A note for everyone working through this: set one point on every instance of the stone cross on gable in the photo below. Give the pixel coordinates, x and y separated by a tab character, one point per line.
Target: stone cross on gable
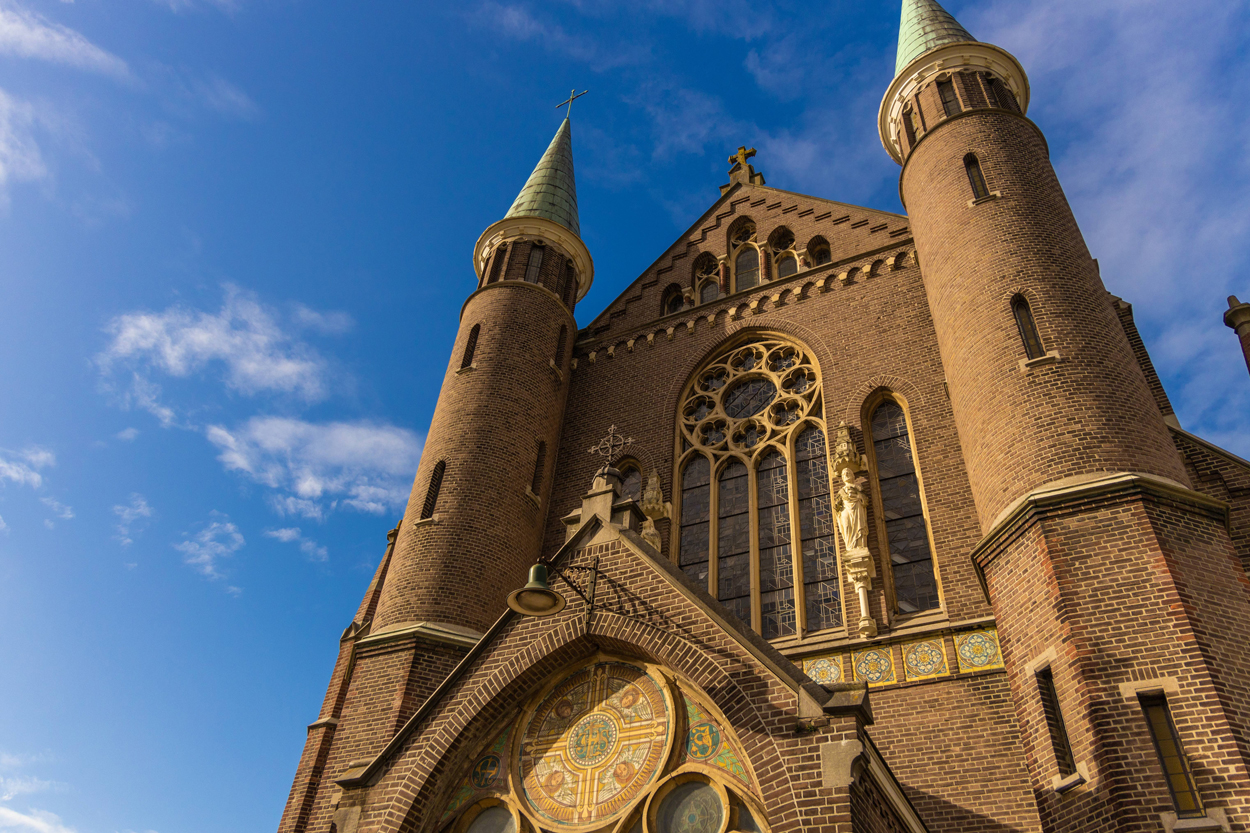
741	157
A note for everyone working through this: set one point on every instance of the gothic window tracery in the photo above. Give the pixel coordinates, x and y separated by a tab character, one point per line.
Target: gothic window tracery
756	515
707	278
615	746
673	300
785	260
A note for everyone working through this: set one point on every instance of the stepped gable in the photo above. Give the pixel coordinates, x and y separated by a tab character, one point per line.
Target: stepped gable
853	232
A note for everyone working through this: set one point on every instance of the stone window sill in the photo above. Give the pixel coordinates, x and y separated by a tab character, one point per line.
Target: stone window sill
1216	820
1062	784
1052	357
552	364
464	370
535	499
994	195
433	519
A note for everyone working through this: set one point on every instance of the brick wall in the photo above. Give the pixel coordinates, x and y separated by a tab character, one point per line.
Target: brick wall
1222	476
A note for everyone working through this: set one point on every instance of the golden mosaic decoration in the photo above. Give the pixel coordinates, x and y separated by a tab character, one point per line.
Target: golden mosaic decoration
595	743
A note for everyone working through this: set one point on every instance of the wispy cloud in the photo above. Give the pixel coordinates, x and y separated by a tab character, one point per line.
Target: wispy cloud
314	467
20	157
131	518
127	435
25	34
23	467
59	509
244	338
205	550
224	98
292	535
518	22
14	783
40	821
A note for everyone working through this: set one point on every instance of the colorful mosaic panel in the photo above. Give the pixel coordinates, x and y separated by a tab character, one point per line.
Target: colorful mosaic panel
707	744
594	744
874	666
488	775
978	650
925	659
824	670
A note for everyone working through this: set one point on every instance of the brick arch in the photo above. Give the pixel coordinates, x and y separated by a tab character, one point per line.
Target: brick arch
479	704
854	407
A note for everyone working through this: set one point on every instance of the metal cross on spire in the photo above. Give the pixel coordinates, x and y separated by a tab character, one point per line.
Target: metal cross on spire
573	96
611	446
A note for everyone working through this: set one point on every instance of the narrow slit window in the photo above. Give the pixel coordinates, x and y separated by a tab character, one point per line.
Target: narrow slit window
535	264
733	545
1172	758
909	126
540	463
432	490
777	615
696	501
570	286
1028	327
1054	722
991	95
496	266
906	531
747	269
976	177
470	346
561	342
950	99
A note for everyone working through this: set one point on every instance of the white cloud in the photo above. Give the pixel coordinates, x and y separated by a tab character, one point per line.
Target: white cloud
329	323
127	435
24	34
131	518
3	526
292	535
20	157
39	821
314	467
519	23
205	550
23	467
224	98
62	511
11	787
243	337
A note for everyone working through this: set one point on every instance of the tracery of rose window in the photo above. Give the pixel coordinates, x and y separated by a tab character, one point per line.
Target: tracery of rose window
756	520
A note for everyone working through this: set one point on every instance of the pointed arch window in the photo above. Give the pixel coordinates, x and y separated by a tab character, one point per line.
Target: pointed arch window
818	251
756	515
673	300
1023	313
631	480
432	489
976	177
747	269
535	265
902	508
470	347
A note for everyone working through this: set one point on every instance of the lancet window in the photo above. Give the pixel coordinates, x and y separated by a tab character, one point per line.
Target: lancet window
745	256
673	300
905	528
818	251
756	519
535	263
785	261
1028	327
707	278
631	479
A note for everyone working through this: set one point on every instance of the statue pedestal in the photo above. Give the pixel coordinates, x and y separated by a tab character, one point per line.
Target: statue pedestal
860	569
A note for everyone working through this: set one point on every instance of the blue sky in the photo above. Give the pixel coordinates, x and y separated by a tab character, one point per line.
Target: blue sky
235	236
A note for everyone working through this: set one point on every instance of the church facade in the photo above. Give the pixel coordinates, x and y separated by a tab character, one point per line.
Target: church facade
835	520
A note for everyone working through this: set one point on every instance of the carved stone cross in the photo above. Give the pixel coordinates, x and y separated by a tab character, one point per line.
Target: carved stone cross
742	156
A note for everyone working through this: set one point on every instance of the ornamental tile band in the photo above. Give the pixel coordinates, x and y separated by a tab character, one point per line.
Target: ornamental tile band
925	659
978	650
874	666
824	670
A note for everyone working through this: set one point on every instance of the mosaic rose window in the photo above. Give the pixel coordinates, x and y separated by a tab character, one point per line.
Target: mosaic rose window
754	472
611	747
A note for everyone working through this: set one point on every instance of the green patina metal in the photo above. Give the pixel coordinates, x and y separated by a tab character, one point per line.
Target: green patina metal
925	25
550	192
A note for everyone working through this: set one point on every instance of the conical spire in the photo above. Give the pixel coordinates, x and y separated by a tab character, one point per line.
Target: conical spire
925	25
550	192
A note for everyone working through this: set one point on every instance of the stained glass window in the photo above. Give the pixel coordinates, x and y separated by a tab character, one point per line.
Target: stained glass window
915	587
821	590
696	496
747	269
692	807
776	557
733	545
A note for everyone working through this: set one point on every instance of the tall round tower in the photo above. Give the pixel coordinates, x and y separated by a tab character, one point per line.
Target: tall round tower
1020	310
476	514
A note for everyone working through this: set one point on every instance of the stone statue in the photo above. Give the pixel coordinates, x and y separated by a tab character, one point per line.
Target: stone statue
851	504
655	508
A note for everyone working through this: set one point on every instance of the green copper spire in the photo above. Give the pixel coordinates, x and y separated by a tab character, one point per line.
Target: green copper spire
925	26
550	192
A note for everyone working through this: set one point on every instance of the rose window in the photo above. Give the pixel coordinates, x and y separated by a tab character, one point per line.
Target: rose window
756	524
